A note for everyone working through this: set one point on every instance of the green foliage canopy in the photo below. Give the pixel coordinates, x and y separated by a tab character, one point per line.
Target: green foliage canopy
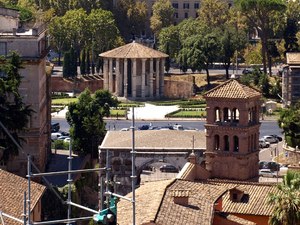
87	127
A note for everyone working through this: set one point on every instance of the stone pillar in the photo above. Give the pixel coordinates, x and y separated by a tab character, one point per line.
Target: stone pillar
151	79
125	68
133	79
157	78
143	77
162	77
111	78
105	73
118	78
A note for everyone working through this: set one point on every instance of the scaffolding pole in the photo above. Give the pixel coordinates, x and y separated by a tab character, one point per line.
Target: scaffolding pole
133	176
29	189
69	182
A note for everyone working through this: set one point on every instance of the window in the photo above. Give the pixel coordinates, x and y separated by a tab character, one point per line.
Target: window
196	5
236	144
217	142
217	115
3	48
186	15
186	5
176	15
226	143
175	5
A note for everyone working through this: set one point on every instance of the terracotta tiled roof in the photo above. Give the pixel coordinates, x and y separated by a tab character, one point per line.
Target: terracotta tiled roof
155	140
232	89
201	198
12	188
236	219
256	201
148	198
133	51
200	204
293	58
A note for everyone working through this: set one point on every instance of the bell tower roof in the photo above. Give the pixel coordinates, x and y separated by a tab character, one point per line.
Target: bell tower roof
232	89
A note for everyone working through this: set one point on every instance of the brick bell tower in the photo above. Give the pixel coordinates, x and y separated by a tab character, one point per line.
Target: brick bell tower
232	131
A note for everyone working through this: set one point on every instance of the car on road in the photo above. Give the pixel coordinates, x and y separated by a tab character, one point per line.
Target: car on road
270	139
55	127
263	144
55	136
168	168
62	137
267	173
277	137
144	127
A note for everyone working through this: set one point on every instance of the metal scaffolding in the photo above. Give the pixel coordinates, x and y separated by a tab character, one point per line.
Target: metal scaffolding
27	195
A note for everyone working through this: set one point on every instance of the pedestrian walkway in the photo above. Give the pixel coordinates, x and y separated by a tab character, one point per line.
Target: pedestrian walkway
60	114
151	112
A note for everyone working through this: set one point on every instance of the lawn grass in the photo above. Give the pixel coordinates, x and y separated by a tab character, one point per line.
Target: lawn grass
187	114
63	101
118	112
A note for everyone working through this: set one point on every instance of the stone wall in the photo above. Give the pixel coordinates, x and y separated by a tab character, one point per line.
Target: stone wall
93	83
178	89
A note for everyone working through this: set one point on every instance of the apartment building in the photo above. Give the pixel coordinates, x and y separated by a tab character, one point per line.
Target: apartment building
32	45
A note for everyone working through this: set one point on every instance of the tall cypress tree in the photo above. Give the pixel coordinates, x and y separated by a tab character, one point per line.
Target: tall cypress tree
88	62
82	63
66	65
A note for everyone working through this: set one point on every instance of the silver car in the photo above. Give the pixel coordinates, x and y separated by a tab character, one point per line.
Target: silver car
267	173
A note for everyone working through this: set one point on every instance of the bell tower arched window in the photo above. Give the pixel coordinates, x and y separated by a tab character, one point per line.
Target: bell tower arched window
217	114
227	115
226	143
235	115
236	143
217	142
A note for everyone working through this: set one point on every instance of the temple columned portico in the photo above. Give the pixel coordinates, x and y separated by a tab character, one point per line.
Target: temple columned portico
134	71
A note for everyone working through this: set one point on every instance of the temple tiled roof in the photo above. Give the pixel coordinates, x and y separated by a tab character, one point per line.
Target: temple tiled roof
155	140
12	188
232	89
293	58
133	51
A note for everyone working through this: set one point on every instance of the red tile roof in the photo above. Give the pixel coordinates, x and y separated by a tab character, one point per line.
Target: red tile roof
133	51
12	188
232	89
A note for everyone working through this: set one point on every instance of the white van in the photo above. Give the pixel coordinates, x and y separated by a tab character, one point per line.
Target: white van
55	136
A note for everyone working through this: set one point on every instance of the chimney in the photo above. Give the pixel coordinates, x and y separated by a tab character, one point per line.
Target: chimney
181	197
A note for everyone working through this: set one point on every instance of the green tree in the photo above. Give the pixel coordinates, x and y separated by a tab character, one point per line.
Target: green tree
290	39
163	16
67	64
231	42
169	40
261	14
101	23
14	114
214	13
289	121
88	62
286	201
87	127
58	39
82	63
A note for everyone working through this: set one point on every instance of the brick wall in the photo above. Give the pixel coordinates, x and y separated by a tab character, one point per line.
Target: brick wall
60	84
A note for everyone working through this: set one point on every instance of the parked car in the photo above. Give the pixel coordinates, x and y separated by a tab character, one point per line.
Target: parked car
263	144
144	127
168	168
68	139
270	139
267	173
55	127
62	137
55	136
277	137
178	127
